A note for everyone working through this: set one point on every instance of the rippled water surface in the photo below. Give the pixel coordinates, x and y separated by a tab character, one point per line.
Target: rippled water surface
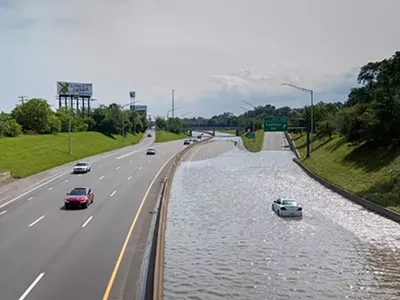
224	242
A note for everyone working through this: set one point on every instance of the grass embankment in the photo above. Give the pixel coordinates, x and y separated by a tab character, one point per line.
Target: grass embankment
31	154
367	170
254	145
165	136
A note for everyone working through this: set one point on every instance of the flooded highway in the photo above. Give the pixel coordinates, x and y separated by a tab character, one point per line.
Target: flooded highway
223	241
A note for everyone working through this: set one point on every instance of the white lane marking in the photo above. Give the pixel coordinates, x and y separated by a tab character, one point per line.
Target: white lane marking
33	223
149	161
118	167
30	288
66	180
101	177
140	168
3	212
136	151
50	188
30	198
130	160
87	221
129	178
113	193
58	176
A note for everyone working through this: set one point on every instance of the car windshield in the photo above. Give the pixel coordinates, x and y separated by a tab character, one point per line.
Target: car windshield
80	164
150	149
78	192
289	202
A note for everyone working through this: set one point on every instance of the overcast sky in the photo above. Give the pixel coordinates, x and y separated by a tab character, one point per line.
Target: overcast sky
213	53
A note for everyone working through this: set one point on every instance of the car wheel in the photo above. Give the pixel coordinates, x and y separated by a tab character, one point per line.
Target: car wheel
92	199
86	204
66	206
278	212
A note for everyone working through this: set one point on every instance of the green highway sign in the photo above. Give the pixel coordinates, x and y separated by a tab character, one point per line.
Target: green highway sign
275	124
251	135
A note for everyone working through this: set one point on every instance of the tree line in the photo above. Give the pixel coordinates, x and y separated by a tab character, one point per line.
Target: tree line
36	117
370	113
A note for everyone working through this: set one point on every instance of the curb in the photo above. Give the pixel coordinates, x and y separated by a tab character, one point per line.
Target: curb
292	145
371	206
152	277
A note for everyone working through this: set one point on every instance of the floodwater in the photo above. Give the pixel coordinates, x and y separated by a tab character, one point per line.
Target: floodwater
223	241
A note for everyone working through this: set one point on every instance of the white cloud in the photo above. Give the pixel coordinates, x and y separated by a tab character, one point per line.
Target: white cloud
197	47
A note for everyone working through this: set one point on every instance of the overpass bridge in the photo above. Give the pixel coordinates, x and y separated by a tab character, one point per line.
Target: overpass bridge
212	129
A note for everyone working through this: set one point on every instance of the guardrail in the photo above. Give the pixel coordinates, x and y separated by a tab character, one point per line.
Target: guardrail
151	286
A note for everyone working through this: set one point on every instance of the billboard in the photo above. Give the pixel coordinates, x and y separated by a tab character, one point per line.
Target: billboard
132	94
139	107
74	89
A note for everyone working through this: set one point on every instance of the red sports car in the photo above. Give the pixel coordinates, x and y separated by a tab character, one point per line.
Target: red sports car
79	197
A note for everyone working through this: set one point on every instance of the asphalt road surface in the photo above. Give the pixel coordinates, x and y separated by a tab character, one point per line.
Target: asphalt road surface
275	141
49	253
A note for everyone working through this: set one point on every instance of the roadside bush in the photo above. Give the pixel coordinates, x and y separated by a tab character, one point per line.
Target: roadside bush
11	128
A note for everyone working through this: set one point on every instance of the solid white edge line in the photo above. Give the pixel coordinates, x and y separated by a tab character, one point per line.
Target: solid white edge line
51	180
129	178
87	221
30	288
113	193
3	212
33	223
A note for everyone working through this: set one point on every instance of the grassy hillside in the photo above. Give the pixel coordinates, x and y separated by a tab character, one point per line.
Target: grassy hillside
229	131
367	170
31	154
254	145
165	136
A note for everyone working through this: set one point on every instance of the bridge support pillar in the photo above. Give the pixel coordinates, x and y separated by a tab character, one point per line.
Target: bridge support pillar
237	132
213	131
190	133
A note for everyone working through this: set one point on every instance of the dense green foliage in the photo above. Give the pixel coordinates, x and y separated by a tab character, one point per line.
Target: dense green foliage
165	136
254	145
174	125
36	117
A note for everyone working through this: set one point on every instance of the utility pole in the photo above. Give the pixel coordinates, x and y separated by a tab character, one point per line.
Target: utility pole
69	131
22	99
173	103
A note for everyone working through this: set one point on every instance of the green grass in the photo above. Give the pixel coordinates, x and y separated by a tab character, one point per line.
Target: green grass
367	170
254	145
31	154
165	136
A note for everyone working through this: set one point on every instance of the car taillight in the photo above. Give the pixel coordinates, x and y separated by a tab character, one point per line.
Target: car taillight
299	208
283	208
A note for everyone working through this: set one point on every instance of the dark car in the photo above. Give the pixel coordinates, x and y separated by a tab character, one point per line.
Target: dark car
151	151
79	197
149	135
186	142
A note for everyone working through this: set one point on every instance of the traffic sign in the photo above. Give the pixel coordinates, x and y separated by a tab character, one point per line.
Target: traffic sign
275	124
251	135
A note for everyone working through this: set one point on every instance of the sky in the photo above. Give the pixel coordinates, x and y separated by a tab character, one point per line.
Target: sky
214	53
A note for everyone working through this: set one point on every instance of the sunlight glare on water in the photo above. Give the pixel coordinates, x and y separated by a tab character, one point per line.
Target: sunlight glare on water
224	241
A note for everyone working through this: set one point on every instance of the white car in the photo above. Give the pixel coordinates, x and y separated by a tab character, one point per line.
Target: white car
287	208
151	151
82	167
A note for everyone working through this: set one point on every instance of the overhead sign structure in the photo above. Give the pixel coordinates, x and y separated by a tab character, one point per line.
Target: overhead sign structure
74	89
275	124
132	94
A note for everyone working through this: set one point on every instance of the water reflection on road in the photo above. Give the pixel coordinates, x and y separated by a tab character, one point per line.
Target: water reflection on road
224	242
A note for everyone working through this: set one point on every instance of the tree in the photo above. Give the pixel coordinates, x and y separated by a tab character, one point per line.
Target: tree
11	128
33	115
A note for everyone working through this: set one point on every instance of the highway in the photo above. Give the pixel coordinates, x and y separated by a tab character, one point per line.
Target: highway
223	241
49	253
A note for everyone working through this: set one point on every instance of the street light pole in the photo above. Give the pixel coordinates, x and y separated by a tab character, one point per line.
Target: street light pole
173	103
254	118
310	134
69	132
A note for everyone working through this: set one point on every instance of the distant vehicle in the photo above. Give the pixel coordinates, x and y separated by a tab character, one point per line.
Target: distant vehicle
199	137
287	208
151	151
186	142
82	167
195	140
148	135
79	197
